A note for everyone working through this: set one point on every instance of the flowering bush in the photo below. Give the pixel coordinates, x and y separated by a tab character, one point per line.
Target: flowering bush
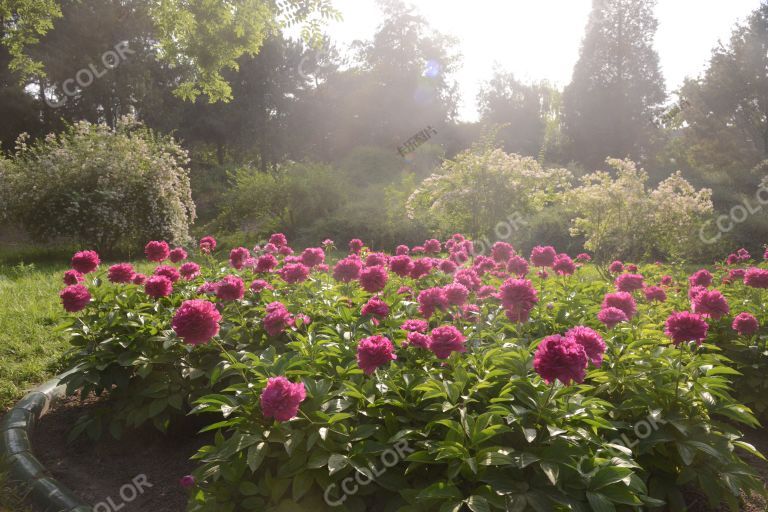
101	187
445	387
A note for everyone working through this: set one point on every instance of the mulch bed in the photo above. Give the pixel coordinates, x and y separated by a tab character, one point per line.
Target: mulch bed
97	471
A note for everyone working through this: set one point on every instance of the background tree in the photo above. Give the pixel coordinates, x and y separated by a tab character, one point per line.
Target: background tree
617	86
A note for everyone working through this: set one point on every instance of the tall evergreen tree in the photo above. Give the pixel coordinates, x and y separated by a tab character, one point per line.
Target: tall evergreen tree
617	86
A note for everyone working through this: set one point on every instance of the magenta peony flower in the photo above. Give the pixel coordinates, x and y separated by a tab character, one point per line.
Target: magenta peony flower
502	251
745	324
277	319
447	266
421	267
207	244
187	481
700	278
518	297
666	280
583	257
196	321
278	240
564	265
559	358
612	316
433	246
230	288
294	273
737	273
285	250
686	326
139	279
486	291
238	257
483	264
417	339
121	273
373	279
258	285
313	256
470	313
375	259
270	248
405	290
373	352
355	246
756	277
459	257
431	299
456	294
415	325
401	265
593	343
167	271
281	398
694	292
157	251
616	267
85	262
543	256
75	298
207	287
347	269
655	293
72	277
622	300
468	278
177	254
711	303
743	254
375	307
189	270
158	286
629	282
265	263
446	339
631	268
517	265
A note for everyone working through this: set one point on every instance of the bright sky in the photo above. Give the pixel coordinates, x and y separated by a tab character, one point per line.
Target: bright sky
540	39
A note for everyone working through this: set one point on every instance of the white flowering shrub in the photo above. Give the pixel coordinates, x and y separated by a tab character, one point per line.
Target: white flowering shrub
100	187
621	218
482	187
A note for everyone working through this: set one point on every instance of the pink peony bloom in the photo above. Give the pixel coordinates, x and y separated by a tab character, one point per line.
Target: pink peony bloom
355	246
737	273
543	256
593	343
278	240
294	273
401	265
187	481
560	358
447	266
483	264
285	251
459	257
517	265
405	290
207	287
518	297
375	259
313	256
158	286
446	339
196	321
374	279
756	277
622	300
468	278
258	285
711	303
745	324
167	271
347	269
207	244
277	319
486	291
694	291
189	270
430	300
402	250
157	251
270	248
501	252
470	313
177	254
121	273
631	268
375	307
139	279
616	267
583	257
230	288
629	282
418	339
666	280
655	293
701	278
456	294
72	277
612	316
373	352
85	261
265	263
433	246
238	257
421	267
75	298
415	325
564	265
686	326
281	398
743	254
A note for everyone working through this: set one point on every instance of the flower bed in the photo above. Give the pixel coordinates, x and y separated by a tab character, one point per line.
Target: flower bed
430	379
